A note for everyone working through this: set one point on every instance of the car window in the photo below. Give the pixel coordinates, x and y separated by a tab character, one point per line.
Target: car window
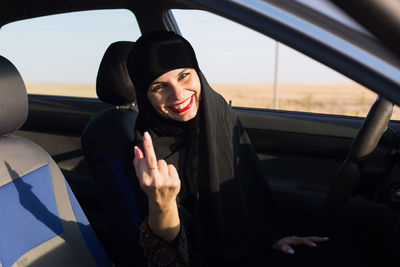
60	54
252	70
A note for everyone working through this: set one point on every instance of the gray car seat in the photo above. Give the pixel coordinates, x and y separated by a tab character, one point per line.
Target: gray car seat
41	222
107	143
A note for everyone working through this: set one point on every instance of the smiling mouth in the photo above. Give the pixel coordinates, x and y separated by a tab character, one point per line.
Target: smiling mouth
183	106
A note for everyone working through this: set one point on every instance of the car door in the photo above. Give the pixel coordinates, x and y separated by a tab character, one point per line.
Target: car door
60	76
303	141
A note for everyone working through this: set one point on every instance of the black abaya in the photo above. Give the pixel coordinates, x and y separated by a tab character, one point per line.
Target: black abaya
226	198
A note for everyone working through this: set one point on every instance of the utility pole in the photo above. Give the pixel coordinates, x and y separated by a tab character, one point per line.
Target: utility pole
275	104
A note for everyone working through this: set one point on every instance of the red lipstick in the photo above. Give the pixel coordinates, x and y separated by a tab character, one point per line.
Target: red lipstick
183	109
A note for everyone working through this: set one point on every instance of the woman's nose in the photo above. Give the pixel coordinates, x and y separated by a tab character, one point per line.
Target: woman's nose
177	91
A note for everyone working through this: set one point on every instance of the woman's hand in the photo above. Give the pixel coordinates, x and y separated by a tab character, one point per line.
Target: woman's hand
158	180
285	244
161	184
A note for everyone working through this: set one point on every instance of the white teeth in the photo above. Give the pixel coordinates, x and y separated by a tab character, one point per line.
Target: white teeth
183	105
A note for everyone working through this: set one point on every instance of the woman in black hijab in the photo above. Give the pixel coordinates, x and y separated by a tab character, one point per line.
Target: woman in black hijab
206	198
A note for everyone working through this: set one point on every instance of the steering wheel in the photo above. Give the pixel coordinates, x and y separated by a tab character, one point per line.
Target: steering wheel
365	142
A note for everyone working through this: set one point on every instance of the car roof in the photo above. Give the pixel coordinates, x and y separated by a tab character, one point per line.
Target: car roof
12	10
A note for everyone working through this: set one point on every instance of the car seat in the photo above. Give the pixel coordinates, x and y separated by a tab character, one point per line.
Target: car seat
107	143
41	221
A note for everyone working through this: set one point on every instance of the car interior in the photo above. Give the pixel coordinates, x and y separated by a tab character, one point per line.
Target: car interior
32	184
109	135
316	164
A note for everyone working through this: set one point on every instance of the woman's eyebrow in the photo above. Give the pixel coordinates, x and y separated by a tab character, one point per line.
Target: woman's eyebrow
160	82
180	73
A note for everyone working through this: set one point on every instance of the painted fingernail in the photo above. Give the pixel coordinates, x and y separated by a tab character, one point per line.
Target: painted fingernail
134	149
326	238
291	251
314	245
146	136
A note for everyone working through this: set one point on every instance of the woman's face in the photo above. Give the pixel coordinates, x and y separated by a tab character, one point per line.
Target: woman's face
176	94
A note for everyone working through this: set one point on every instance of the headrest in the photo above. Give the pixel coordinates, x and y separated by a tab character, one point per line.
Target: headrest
13	98
113	85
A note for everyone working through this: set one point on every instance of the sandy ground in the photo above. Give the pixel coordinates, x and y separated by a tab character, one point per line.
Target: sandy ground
333	98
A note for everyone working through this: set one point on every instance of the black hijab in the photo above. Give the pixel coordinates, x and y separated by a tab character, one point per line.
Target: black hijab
225	200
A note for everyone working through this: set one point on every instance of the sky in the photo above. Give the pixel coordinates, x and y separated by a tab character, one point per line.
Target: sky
69	47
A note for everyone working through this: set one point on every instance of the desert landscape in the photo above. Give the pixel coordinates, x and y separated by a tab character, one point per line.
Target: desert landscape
333	98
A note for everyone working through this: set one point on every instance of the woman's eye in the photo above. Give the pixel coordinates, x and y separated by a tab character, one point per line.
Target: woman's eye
157	88
183	75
